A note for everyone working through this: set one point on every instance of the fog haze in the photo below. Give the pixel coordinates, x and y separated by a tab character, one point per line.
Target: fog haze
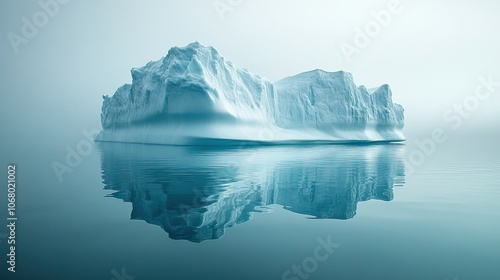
431	54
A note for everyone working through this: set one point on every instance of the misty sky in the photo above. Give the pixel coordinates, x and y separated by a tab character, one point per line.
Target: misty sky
430	53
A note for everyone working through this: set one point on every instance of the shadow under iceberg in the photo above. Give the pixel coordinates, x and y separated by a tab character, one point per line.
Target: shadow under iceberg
195	193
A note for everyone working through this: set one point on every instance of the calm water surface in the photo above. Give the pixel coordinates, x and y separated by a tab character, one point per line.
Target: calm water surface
313	212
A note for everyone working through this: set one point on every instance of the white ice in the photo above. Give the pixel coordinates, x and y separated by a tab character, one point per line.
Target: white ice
193	96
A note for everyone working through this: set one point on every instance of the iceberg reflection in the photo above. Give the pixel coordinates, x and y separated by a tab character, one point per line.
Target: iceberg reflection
195	193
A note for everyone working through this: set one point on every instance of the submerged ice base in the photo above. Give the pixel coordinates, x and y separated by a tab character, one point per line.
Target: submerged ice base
193	96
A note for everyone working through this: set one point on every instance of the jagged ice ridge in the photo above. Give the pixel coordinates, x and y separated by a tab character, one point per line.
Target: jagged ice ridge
193	96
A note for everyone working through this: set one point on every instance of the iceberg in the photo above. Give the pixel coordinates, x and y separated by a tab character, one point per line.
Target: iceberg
194	96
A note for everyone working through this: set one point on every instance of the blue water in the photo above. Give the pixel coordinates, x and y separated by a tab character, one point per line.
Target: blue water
159	212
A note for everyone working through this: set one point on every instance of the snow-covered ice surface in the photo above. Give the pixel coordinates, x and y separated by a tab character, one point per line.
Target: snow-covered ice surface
193	96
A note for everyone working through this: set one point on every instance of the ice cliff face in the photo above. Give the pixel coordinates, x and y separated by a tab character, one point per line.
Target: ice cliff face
329	101
194	95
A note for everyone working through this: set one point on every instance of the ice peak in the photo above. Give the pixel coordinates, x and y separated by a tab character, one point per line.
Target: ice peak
195	44
192	49
385	88
319	73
